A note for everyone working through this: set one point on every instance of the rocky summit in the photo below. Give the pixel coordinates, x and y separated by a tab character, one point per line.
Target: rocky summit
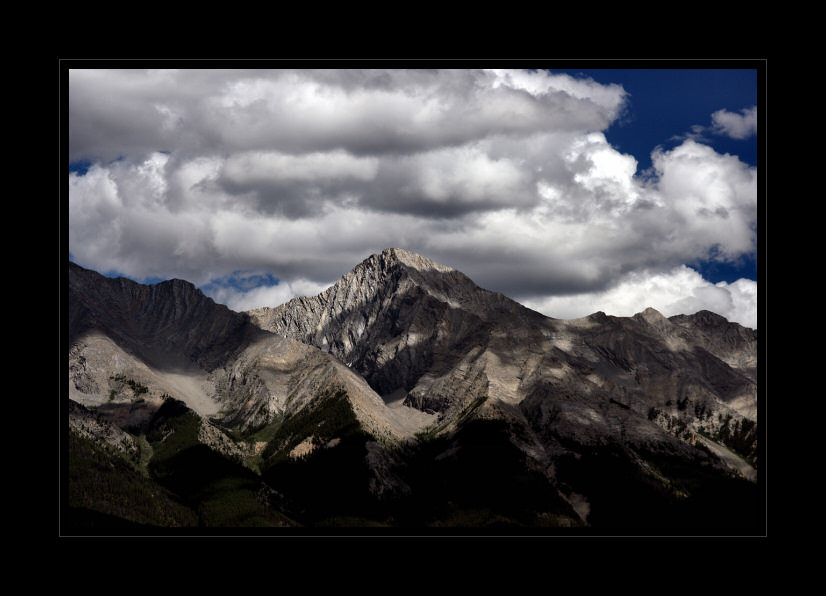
406	397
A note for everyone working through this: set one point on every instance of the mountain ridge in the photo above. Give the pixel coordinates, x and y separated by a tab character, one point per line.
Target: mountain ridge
423	357
173	338
429	328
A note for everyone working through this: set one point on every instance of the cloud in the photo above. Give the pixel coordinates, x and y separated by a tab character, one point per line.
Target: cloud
449	182
294	185
298	111
270	294
709	199
736	126
504	175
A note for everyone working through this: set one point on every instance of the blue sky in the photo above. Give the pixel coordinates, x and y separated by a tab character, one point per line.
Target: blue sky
667	103
570	190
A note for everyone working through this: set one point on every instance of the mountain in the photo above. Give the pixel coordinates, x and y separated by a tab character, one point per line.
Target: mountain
420	330
406	396
148	361
172	340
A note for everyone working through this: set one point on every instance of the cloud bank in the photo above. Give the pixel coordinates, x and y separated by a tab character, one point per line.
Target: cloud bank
212	176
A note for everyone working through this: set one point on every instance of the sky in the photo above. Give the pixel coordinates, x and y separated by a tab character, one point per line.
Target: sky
571	191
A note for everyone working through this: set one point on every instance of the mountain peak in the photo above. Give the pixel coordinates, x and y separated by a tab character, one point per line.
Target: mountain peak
650	315
412	259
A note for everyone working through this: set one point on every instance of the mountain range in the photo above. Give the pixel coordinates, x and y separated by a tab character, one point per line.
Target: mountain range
404	398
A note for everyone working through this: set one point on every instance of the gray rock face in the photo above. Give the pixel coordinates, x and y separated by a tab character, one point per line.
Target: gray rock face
93	426
730	342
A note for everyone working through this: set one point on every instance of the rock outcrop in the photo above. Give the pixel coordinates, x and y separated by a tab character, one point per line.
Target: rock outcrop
95	427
